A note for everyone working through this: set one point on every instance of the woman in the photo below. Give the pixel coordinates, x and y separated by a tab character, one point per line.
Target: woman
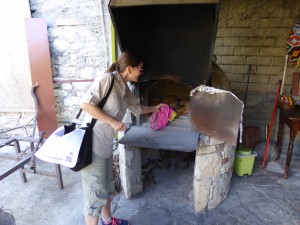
97	178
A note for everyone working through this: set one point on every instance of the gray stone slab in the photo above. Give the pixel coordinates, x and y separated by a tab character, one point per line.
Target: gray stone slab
169	138
151	214
181	217
217	218
275	167
244	216
270	212
232	201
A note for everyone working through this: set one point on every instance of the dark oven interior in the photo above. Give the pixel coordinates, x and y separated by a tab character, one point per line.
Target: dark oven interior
176	40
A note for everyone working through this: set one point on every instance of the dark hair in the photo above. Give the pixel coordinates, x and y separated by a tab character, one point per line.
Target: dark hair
127	58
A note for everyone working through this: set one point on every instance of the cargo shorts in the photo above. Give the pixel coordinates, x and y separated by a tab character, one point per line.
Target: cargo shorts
97	184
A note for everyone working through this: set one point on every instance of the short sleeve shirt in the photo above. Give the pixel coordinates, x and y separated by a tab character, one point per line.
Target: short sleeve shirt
119	100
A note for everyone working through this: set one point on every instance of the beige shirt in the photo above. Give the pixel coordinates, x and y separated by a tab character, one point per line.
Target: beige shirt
119	100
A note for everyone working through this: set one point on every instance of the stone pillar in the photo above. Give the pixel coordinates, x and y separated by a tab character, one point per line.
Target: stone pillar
212	172
130	169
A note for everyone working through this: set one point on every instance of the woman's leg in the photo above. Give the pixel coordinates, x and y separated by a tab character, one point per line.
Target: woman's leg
105	212
91	220
94	183
110	187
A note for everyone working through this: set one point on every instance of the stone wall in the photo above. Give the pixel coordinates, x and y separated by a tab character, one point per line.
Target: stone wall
255	33
16	122
79	38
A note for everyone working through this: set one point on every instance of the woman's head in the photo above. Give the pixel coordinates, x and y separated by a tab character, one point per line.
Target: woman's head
129	65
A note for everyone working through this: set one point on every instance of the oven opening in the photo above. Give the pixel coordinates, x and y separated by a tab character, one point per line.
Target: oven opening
159	163
178	134
172	92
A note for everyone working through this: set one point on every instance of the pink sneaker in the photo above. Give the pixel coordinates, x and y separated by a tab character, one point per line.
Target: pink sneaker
115	221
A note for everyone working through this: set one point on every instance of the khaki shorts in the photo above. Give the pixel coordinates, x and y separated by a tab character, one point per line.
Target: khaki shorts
97	184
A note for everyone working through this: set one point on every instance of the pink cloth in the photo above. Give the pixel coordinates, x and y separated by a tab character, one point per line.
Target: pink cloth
160	119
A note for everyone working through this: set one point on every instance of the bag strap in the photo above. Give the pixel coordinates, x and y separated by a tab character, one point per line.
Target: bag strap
103	101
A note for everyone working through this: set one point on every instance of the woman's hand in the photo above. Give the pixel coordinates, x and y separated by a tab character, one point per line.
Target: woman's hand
151	109
117	125
99	114
157	108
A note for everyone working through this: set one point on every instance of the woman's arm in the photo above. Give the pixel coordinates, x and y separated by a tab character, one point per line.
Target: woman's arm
99	114
151	109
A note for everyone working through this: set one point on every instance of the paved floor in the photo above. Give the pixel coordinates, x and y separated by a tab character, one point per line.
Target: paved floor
262	198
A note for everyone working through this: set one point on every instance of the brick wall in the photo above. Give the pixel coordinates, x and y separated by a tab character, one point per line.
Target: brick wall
254	32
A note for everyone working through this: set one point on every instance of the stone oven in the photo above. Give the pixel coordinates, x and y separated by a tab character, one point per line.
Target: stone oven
176	40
